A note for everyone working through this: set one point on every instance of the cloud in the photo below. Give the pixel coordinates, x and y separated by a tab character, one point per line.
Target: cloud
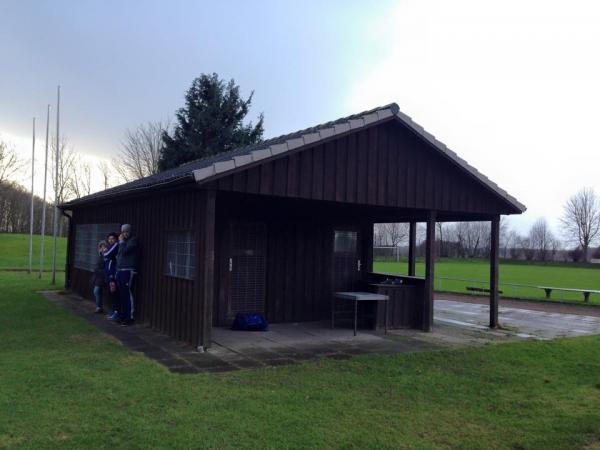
511	86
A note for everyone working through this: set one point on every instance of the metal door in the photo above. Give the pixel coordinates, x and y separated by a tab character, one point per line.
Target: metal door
246	268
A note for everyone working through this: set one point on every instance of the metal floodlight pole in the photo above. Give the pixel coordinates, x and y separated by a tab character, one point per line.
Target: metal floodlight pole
32	198
43	232
56	158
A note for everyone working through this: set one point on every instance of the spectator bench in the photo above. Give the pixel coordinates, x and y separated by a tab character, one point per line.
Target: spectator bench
586	292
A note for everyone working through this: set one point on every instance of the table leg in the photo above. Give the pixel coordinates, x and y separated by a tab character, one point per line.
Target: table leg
355	316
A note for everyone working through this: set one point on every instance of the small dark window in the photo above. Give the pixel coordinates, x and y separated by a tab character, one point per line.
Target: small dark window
345	241
87	237
181	258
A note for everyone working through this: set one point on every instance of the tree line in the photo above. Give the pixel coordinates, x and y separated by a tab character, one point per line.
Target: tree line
579	232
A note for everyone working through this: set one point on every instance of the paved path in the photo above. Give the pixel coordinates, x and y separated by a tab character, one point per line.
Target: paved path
536	305
523	322
232	350
456	324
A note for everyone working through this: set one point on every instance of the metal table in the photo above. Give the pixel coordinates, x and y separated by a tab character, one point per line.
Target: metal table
359	297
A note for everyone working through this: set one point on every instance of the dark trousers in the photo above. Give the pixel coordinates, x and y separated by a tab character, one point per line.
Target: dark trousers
113	296
125	280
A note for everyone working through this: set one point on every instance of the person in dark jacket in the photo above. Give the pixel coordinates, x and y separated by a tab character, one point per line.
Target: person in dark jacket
99	277
110	269
126	271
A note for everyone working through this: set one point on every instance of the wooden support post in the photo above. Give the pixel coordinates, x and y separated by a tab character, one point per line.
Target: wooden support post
412	244
494	261
70	241
367	249
429	273
208	267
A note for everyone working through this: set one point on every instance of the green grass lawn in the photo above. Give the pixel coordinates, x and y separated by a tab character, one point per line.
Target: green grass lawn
533	274
14	251
63	384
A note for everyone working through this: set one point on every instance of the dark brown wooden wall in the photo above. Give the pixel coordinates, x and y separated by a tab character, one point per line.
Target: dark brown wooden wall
299	262
171	305
385	165
299	271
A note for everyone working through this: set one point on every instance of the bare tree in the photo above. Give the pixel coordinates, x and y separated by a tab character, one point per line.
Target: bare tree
528	250
378	235
140	151
541	238
66	170
106	174
440	235
81	178
581	219
10	163
473	238
395	233
389	234
514	250
555	246
508	241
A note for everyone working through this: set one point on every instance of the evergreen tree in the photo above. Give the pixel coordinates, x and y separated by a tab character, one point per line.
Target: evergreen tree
210	123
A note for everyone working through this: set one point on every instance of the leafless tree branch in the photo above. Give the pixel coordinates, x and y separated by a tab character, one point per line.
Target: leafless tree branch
10	163
581	219
140	151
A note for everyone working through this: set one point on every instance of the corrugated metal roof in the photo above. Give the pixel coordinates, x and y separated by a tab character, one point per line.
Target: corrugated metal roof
212	167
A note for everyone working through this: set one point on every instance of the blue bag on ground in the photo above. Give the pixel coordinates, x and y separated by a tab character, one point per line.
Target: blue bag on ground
249	322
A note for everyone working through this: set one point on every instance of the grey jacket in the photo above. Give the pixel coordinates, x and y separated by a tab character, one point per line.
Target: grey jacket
127	257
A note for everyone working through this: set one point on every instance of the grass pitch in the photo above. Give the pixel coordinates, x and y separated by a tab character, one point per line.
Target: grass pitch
518	272
64	384
14	251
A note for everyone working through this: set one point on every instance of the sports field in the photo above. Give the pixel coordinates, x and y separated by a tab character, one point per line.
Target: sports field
67	385
14	251
519	273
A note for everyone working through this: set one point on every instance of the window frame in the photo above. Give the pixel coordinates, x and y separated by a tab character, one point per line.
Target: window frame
346	231
97	232
192	259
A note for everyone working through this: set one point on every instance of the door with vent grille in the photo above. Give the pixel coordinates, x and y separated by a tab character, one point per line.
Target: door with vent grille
246	268
346	260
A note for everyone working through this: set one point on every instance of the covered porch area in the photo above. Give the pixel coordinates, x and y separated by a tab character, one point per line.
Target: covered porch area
286	258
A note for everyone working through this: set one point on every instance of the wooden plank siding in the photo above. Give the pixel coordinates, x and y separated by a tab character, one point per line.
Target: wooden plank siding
171	305
385	165
298	271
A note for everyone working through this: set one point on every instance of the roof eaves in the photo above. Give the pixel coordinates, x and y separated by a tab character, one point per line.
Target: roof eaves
109	193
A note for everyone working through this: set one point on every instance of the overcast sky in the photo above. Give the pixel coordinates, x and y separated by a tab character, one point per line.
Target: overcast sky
512	86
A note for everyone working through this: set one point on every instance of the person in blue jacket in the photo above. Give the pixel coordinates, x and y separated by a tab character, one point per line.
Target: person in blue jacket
110	268
127	259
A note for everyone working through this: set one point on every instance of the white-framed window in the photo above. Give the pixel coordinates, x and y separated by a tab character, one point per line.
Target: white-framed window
181	254
87	237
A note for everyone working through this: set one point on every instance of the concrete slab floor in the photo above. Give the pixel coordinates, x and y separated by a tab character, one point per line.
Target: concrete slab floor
456	324
520	322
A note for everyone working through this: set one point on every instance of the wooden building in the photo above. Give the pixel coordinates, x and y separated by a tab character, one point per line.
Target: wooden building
278	227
